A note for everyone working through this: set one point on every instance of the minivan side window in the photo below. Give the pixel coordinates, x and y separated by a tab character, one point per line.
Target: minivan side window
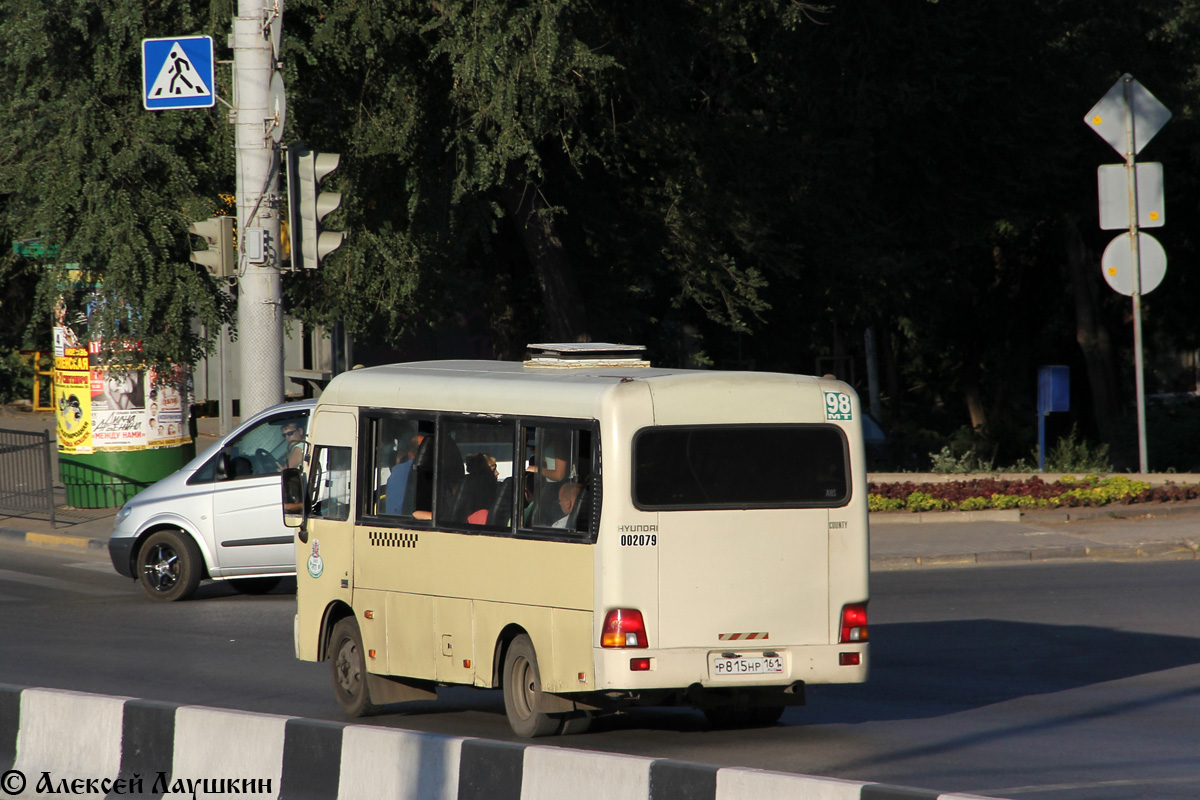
264	449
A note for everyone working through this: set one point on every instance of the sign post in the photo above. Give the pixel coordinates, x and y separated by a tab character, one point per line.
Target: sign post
1128	117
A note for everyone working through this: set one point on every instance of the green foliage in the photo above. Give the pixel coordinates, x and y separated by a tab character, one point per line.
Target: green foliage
746	183
16	377
947	461
1071	455
657	141
108	184
979	495
1172	434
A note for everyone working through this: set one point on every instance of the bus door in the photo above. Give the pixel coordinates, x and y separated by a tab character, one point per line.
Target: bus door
325	551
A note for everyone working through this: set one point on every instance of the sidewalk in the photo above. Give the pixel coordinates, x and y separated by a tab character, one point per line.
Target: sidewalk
81	528
899	540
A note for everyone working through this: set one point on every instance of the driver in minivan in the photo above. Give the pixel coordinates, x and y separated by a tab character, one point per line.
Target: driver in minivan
293	437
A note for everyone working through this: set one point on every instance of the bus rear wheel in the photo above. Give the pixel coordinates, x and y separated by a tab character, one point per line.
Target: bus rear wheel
522	684
349	670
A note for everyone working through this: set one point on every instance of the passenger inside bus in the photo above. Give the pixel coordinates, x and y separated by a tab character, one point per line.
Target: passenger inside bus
568	495
477	491
397	481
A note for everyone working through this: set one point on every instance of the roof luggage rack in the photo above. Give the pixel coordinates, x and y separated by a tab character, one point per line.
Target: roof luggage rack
586	354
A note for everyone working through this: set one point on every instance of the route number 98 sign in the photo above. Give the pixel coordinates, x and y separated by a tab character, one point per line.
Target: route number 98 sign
837	406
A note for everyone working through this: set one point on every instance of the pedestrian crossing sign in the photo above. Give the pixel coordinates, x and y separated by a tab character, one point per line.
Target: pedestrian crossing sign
177	72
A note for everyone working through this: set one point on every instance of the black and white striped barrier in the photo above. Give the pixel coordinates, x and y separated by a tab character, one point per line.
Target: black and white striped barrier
71	743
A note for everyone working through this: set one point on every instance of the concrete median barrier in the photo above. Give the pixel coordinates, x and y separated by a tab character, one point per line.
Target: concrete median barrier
70	743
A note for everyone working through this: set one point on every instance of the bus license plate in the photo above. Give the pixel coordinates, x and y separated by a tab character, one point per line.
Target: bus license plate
746	665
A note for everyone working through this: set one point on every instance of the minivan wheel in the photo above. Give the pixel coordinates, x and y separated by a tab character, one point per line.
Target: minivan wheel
169	566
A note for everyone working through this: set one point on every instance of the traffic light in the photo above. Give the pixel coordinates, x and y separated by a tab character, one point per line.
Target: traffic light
219	258
307	206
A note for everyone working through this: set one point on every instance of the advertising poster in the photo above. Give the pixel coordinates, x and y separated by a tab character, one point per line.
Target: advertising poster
101	409
138	409
118	406
167	417
73	400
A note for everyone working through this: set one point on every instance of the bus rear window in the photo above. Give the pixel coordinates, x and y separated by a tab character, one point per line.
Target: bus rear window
742	466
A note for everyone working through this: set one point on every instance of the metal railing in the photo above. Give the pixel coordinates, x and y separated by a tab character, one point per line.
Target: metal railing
26	473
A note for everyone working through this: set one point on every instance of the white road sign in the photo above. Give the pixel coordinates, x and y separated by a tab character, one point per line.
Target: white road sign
1107	118
1113	183
177	72
1117	263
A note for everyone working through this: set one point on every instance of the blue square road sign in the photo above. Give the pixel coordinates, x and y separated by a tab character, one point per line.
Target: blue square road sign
177	72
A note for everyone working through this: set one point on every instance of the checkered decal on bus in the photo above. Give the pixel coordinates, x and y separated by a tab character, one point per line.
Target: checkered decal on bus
392	539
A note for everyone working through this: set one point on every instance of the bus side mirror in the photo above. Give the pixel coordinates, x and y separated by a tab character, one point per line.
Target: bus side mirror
291	483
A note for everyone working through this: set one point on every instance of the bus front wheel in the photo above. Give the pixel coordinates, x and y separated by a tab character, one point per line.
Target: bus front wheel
523	692
349	669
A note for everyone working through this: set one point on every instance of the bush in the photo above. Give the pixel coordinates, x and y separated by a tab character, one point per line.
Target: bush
1069	455
16	377
946	462
988	493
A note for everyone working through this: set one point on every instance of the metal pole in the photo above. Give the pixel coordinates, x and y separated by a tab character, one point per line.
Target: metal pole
49	475
260	312
1136	262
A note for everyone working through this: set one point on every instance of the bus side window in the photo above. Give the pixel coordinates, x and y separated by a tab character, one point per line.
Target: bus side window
329	489
398	446
473	473
558	492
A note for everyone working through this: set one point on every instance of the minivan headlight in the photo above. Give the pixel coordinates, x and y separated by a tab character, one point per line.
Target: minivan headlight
124	513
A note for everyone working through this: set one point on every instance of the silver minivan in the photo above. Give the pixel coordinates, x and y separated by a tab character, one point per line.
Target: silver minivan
218	516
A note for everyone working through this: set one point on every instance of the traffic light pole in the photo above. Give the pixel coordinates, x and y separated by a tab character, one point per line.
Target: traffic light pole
260	308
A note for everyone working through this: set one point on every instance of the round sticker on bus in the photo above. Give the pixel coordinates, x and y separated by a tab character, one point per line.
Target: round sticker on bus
316	565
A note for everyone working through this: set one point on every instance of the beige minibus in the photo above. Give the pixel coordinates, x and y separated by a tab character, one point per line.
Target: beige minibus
585	532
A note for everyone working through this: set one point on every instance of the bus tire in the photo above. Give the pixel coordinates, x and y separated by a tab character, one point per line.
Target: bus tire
348	667
522	683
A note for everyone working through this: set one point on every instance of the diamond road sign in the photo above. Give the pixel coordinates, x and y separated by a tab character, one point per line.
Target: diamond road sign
1107	118
177	72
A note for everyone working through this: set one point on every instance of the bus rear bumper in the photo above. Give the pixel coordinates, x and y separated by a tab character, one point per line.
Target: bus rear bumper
710	668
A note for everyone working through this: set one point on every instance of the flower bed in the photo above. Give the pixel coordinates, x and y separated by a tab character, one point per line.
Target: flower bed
1033	492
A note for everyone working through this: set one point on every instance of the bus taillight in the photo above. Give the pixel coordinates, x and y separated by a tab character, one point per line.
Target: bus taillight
623	627
854	623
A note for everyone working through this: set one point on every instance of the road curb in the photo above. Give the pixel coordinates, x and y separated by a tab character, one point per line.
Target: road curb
926	517
53	539
1150	551
280	756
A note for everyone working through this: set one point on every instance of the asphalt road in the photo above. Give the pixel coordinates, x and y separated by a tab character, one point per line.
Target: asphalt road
1055	680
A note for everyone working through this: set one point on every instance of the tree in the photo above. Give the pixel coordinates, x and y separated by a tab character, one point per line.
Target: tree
559	144
109	186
